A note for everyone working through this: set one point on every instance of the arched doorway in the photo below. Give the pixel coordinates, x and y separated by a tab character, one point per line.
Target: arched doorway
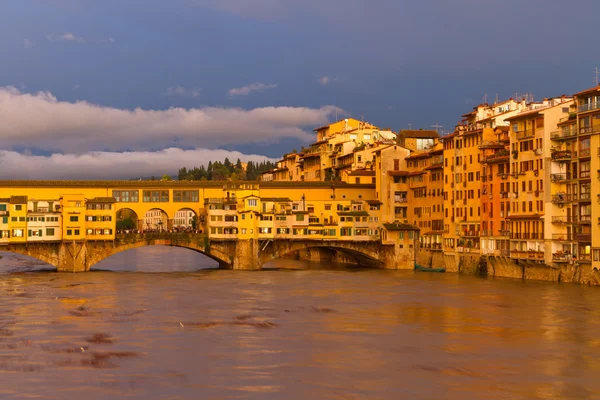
155	220
185	220
127	220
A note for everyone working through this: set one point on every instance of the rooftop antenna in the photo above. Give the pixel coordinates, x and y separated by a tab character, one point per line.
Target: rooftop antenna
437	127
596	80
496	101
409	126
485	97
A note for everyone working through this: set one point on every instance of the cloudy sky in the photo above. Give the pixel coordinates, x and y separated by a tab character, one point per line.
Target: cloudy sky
123	88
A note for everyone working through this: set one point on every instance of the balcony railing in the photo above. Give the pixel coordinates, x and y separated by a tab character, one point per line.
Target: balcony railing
588	106
401	200
588	130
565	176
527	235
499	156
564	220
525	134
562	155
583	237
585	219
585	196
585	174
561	198
470	234
561	257
504	232
526	254
562	237
584	152
586	258
564	133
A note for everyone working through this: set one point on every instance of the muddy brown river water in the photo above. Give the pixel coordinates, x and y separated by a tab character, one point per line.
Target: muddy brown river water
154	323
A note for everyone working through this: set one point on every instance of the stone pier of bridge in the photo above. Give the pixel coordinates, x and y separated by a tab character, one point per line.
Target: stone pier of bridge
251	254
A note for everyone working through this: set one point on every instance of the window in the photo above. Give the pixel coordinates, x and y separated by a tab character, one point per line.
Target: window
18	232
252	202
180	196
126	196
299	217
49	231
18	207
74	218
156	196
5	220
2	207
76	231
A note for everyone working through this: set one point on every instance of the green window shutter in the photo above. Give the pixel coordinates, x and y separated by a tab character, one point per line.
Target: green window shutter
40	232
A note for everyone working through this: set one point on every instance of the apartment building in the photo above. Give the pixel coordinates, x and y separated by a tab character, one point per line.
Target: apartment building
533	162
587	232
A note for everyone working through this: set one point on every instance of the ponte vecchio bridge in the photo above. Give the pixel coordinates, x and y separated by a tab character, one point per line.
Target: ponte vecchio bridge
73	225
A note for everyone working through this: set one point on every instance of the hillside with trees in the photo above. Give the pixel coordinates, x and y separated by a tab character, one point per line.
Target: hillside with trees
226	170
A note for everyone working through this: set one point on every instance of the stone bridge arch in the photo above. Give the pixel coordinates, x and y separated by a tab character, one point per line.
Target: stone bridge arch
219	252
370	254
100	252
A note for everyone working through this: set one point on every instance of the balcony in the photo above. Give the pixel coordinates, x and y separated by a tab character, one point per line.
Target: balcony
585	196
561	257
525	134
400	199
564	133
527	236
461	249
469	234
528	254
588	130
562	198
588	107
564	220
504	232
560	177
562	237
583	237
500	156
585	258
562	155
585	219
584	152
489	144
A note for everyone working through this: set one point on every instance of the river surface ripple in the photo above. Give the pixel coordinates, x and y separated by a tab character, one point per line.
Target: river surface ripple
290	333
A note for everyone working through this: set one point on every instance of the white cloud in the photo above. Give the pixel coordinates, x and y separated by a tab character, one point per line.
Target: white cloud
27	43
254	87
324	80
41	119
64	37
183	91
71	37
111	165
